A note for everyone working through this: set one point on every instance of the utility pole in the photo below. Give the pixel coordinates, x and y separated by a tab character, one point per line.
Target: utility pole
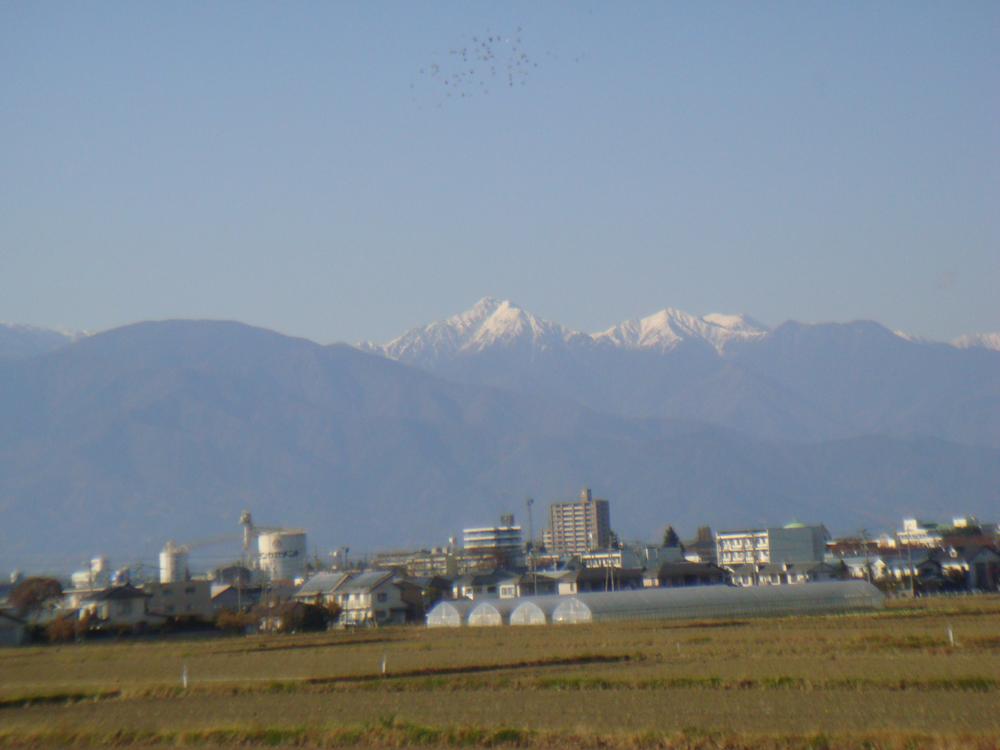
913	583
868	564
531	548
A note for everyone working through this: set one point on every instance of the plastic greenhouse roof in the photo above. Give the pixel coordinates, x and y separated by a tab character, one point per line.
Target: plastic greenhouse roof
719	601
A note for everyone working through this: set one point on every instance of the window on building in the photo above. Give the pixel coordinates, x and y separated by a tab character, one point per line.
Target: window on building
382	596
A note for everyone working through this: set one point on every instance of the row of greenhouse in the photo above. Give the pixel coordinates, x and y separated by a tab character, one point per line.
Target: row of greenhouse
697	602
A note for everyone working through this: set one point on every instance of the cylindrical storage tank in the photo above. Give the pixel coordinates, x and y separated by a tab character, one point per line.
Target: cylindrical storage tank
531	612
449	614
173	564
282	554
491	613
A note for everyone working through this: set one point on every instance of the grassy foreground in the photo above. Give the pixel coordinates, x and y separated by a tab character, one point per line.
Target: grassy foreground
889	680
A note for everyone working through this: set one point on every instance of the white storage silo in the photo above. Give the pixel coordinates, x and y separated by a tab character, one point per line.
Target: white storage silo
282	554
173	563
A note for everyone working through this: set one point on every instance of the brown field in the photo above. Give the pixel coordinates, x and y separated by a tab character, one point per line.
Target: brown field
889	680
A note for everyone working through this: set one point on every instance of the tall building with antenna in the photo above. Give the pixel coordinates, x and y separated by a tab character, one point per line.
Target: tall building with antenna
580	526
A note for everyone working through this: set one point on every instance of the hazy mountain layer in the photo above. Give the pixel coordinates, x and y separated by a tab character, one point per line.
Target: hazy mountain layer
167	430
23	341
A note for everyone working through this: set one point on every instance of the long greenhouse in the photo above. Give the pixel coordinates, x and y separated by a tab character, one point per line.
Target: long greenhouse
703	602
695	602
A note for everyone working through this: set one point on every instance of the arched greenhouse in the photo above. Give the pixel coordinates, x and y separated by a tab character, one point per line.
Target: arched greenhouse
491	612
536	611
698	602
449	614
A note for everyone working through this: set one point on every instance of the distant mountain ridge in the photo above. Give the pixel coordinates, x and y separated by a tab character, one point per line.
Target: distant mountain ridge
797	381
122	440
18	341
494	323
979	340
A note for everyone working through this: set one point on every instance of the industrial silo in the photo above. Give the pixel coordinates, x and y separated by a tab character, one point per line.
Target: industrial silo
173	563
282	554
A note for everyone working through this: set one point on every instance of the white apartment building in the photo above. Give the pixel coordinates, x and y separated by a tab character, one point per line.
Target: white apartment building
743	547
793	543
504	541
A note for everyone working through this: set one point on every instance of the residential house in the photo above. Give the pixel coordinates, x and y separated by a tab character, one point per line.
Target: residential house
13	630
598	579
321	588
778	574
481	585
377	598
984	569
118	607
181	600
683	573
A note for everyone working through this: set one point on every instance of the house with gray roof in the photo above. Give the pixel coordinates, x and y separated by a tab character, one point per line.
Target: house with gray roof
321	588
377	598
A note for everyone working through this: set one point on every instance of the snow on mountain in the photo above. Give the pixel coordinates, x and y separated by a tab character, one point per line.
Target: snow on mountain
18	340
493	323
666	329
490	323
978	341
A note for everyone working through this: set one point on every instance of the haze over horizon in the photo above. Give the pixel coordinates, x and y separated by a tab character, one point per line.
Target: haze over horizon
304	168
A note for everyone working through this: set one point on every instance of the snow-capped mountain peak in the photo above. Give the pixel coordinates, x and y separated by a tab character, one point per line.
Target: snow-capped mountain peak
978	341
487	324
667	328
501	324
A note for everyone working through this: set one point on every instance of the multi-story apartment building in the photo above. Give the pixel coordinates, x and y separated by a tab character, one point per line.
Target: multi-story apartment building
579	527
917	533
504	542
795	542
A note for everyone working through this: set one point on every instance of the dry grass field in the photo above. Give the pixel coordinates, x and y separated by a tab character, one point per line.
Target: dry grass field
887	680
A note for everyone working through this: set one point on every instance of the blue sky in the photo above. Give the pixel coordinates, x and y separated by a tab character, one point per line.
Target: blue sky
298	165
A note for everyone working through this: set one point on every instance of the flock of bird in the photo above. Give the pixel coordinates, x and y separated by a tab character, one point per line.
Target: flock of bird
483	64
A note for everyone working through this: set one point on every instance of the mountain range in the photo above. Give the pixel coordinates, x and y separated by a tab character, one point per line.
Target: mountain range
796	381
118	441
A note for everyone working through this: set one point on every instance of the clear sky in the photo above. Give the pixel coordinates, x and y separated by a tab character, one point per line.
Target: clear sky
301	166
